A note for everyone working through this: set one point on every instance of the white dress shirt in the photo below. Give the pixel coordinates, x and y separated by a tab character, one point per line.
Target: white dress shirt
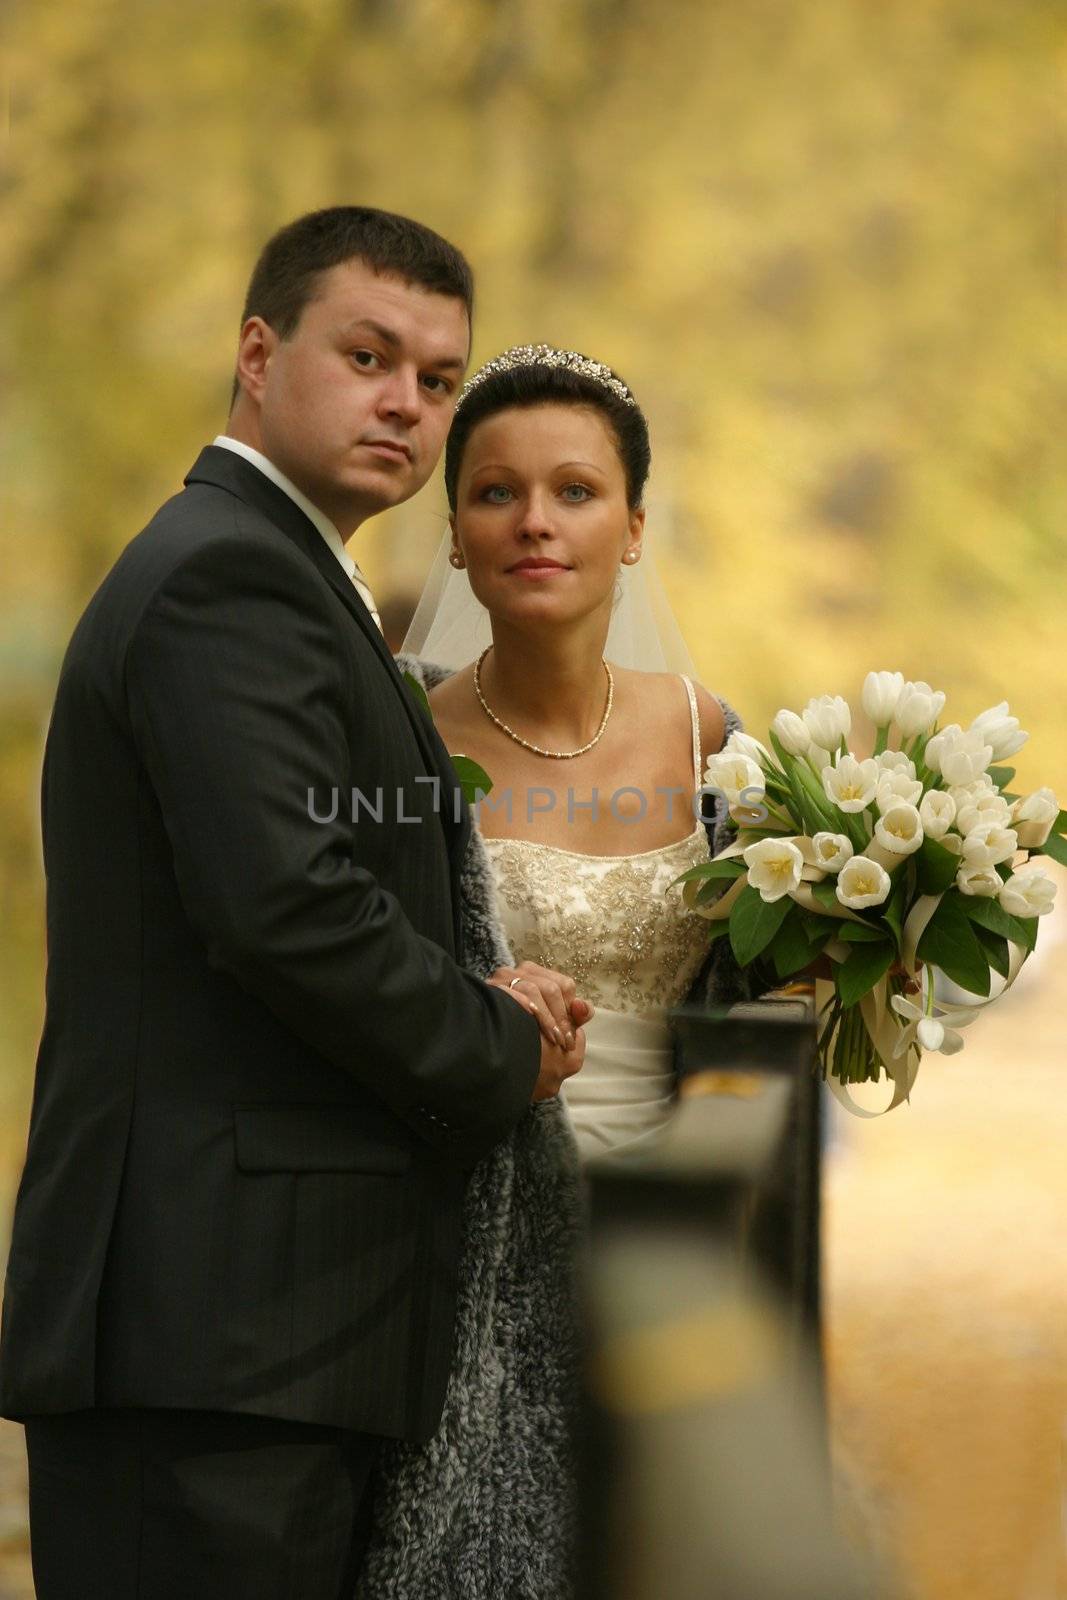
312	512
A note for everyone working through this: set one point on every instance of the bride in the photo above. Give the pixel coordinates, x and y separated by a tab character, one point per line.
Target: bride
546	649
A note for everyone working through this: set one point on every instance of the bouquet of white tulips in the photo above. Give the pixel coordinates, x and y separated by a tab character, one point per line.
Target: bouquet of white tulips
910	863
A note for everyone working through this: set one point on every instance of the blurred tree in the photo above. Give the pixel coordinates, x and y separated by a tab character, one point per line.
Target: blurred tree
824	243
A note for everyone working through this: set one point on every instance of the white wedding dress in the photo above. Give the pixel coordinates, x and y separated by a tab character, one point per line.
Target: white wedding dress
633	951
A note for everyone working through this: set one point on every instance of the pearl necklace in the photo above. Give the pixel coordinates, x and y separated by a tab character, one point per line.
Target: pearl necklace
557	755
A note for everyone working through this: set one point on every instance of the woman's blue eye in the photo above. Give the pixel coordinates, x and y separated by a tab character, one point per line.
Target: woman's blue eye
496	490
582	494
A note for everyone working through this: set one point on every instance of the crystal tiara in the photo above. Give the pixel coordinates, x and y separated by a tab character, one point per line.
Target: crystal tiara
546	355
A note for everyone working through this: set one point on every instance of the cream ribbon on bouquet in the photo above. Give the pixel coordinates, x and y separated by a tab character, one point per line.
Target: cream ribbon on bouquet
881	1022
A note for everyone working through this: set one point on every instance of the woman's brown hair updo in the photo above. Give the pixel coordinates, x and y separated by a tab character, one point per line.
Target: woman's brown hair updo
526	386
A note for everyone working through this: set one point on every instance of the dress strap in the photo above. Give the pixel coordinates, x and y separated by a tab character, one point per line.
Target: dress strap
698	775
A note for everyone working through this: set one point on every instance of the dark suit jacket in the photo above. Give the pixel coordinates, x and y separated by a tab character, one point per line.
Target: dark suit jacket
263	1076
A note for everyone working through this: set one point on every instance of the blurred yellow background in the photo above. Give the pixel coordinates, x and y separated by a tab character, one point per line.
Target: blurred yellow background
825	245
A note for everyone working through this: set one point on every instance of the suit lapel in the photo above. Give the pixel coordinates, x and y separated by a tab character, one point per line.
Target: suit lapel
227	470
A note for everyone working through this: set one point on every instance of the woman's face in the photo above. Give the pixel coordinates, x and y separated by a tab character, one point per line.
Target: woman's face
541	518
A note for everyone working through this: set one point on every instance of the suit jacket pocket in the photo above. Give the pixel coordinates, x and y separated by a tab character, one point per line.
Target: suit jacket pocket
316	1138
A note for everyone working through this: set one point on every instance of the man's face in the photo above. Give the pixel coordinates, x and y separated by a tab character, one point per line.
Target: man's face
354	406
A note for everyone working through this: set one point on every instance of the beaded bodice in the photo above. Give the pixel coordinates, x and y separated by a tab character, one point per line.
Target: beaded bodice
608	921
611	922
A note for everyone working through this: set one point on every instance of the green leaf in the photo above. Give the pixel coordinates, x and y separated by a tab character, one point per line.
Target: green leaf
992	915
859	974
732	867
825	892
782	753
790	949
899	896
754	923
995	949
473	779
419	692
936	867
818	929
1001	775
859	933
1060	824
714	889
717	930
950	942
1056	847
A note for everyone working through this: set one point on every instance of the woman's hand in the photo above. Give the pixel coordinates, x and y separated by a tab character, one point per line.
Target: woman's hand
552	997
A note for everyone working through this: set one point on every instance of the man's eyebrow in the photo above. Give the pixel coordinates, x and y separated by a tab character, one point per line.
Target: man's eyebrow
387	335
390	337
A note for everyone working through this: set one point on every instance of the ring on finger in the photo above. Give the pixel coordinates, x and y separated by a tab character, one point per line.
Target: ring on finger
514	981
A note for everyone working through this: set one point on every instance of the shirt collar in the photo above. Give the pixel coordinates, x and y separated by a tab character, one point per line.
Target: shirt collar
312	512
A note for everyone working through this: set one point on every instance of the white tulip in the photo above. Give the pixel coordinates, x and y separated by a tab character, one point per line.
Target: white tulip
918	708
881	691
818	757
743	744
774	867
733	773
899	829
896	761
1030	892
828	720
964	793
1000	730
1033	817
862	882
986	807
959	757
984	881
832	850
792	732
896	785
937	812
989	844
851	784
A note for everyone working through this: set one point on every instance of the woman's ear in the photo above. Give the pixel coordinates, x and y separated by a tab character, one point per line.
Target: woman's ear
632	551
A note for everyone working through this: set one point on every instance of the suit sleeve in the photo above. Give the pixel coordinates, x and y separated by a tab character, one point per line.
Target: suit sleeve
240	702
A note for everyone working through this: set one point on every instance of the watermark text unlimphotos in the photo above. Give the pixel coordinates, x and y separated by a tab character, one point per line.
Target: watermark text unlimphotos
629	804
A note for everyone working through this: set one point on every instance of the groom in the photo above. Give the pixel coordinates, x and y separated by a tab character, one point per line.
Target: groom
264	1076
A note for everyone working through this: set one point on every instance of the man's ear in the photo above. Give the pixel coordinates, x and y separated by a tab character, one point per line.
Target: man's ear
257	345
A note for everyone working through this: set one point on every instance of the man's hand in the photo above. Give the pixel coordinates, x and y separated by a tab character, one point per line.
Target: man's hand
557	1065
552	998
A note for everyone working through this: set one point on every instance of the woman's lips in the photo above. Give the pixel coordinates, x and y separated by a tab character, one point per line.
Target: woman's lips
538	569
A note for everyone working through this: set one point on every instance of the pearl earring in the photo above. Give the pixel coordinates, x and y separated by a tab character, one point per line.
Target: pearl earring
455	558
631	556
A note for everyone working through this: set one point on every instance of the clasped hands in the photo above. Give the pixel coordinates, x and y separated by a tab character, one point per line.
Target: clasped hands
552	997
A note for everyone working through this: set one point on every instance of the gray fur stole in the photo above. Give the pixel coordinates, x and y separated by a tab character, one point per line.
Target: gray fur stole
486	1509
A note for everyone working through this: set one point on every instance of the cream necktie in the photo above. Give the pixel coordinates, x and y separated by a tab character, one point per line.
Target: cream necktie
359	583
